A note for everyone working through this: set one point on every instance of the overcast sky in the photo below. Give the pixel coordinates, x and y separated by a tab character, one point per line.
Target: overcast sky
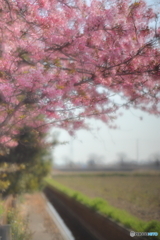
138	139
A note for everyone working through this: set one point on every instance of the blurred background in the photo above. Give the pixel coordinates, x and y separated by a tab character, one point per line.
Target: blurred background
135	141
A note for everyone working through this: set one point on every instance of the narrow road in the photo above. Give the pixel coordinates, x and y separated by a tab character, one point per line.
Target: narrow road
40	223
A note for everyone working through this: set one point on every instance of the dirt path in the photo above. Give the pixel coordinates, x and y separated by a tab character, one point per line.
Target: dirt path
40	223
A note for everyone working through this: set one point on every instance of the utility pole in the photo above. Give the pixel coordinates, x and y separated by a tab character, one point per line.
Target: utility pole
71	149
137	149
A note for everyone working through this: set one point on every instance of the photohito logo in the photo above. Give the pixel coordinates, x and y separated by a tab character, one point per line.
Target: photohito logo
143	234
132	234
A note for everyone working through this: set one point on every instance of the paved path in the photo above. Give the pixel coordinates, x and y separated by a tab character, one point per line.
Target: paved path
40	222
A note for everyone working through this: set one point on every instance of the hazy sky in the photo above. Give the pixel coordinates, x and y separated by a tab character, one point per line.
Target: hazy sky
138	139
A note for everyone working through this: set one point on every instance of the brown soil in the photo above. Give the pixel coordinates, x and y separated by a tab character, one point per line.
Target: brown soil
139	195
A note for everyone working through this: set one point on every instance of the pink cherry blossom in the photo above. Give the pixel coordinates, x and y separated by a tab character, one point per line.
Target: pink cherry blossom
56	55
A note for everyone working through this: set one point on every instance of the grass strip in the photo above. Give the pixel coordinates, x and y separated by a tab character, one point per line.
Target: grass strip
111	174
1	209
19	225
103	207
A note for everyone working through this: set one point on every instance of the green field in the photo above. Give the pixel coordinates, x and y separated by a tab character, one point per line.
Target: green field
137	193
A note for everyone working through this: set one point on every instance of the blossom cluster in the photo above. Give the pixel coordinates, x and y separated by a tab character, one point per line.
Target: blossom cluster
61	61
